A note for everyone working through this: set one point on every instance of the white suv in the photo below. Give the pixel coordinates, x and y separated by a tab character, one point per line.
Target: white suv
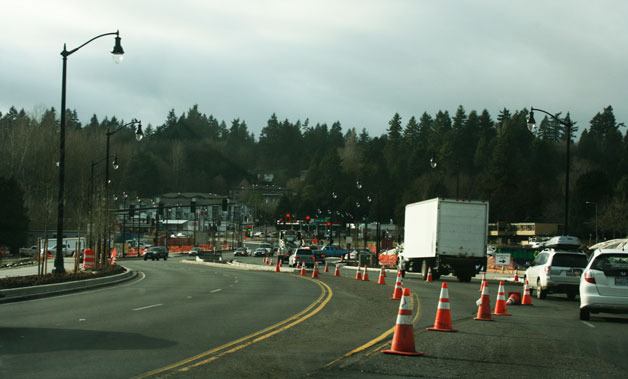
604	283
556	271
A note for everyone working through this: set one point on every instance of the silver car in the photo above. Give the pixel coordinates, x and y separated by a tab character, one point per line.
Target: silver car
556	271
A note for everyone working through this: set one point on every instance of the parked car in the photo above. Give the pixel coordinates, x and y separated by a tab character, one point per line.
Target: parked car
194	251
556	271
240	252
156	252
268	247
259	234
604	283
260	252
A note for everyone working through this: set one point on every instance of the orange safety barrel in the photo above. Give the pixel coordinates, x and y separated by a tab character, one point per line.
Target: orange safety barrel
88	259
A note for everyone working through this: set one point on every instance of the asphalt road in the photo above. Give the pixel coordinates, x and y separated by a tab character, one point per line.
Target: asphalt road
174	311
545	340
148	328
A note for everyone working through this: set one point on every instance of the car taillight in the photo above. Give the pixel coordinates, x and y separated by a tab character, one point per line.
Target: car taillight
589	278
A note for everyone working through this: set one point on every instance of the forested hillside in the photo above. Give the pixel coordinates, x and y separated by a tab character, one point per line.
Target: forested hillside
476	156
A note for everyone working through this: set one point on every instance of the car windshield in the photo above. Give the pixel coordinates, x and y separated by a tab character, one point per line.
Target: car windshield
605	262
570	260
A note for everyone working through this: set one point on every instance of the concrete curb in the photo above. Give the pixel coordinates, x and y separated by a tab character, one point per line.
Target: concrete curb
238	266
46	290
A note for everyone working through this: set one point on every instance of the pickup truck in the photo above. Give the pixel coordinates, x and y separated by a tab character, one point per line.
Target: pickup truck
307	256
333	251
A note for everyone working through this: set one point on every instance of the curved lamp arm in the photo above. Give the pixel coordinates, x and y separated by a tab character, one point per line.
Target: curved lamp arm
117	48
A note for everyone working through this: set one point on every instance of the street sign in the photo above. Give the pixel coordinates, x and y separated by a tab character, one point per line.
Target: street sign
502	259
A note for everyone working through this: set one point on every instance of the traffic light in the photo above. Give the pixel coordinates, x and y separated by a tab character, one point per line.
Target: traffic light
193	206
308	219
132	210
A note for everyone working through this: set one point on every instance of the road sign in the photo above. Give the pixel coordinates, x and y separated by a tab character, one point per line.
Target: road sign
502	259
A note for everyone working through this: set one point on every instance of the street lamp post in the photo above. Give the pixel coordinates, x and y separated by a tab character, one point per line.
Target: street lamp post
124	197
117	54
138	136
594	204
568	124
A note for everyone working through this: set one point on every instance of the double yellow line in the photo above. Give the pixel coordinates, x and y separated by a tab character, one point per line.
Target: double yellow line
377	339
239	344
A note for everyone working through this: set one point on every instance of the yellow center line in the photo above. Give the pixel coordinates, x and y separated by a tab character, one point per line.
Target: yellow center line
377	339
309	311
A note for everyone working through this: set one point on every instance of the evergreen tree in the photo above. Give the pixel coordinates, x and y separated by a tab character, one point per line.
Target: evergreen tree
14	221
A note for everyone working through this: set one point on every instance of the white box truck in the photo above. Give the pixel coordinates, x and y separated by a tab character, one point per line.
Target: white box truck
449	236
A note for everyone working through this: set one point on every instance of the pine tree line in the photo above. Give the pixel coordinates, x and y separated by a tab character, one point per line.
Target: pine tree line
470	156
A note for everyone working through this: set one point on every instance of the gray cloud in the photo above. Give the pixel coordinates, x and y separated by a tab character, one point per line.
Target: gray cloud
353	61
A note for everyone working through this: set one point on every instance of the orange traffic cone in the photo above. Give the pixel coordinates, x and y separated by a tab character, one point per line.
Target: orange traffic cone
482	281
527	298
326	268
337	271
442	323
500	304
398	291
278	266
365	275
484	305
358	273
516	279
429	275
514	298
302	272
403	338
315	271
381	279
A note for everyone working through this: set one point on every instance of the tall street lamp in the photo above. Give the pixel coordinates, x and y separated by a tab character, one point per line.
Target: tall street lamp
117	55
594	204
139	135
568	124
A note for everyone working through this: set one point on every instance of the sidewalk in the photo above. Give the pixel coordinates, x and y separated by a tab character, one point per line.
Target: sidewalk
32	269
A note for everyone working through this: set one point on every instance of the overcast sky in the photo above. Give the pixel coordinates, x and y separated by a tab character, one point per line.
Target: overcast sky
357	62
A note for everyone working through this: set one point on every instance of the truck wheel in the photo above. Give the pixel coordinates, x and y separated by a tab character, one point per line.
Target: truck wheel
464	278
415	266
424	268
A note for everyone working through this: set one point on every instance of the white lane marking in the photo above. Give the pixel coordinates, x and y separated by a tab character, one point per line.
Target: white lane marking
82	319
148	306
588	324
216	290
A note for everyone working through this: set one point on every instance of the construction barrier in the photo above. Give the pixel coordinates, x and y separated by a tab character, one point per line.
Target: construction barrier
88	259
